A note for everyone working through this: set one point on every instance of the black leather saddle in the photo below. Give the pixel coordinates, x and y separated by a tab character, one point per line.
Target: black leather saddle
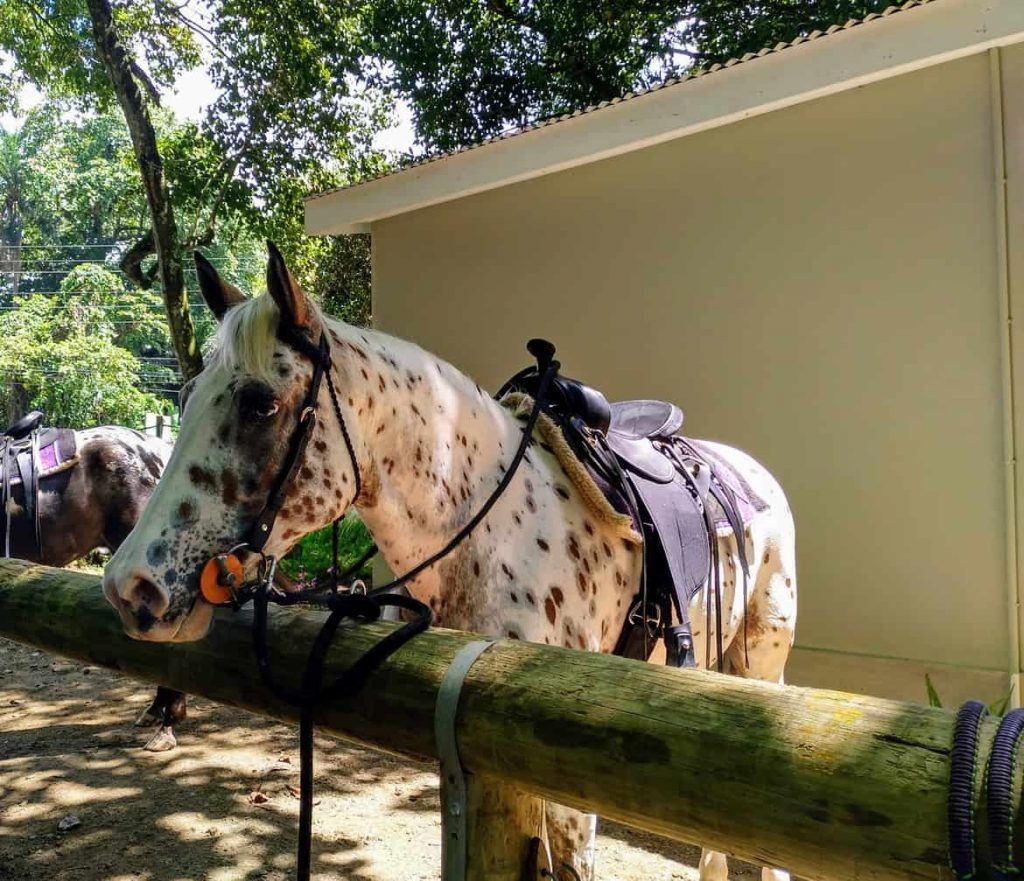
24	426
633	451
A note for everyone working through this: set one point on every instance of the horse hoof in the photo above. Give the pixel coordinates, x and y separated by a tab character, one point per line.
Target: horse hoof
146	718
162	741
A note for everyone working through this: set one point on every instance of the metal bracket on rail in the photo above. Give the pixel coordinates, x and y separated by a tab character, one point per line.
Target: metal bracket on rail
453	776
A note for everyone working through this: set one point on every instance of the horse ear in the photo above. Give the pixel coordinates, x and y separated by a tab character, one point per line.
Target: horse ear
219	294
285	290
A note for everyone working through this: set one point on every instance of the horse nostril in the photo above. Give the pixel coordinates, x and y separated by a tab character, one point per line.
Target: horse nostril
144	618
147	601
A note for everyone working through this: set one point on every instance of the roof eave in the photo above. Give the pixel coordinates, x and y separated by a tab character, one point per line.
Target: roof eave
884	47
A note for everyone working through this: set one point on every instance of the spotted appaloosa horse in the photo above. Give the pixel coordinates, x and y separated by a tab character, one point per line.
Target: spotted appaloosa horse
430	445
95	504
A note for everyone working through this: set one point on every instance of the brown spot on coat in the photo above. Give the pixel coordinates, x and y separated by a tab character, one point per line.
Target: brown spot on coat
229	487
574	547
202	478
549	610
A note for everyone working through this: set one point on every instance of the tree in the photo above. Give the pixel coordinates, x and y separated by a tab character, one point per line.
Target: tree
723	29
78	361
12	193
287	108
473	68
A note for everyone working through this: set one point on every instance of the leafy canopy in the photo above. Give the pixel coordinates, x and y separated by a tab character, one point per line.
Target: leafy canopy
473	68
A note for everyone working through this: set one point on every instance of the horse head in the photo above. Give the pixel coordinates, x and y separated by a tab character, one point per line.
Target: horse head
237	427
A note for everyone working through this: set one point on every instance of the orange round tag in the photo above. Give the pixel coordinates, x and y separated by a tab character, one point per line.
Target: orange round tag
211	579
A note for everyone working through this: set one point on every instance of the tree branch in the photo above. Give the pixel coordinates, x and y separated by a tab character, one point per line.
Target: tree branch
131	262
142	77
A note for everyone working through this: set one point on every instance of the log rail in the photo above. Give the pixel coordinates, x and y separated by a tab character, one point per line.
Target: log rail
829	785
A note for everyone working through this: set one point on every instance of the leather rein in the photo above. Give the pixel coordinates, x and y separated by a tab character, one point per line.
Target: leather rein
221	576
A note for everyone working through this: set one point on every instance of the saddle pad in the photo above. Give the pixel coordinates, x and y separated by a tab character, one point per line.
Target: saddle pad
57	451
748	503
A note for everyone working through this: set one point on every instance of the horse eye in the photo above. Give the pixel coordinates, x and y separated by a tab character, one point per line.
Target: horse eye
258	404
265	411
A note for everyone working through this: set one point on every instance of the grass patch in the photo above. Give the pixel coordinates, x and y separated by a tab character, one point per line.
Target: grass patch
311	557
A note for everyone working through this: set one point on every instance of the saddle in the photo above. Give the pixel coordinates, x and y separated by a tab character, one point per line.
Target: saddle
28	455
24	426
673	493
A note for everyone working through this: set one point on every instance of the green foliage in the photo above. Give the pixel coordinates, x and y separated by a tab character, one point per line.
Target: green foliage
52	43
312	555
73	355
998	707
724	29
473	68
291	117
341	279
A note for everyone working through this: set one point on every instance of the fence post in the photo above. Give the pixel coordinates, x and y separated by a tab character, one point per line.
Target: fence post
500	823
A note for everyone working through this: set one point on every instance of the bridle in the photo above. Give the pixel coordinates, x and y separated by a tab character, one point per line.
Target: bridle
221	577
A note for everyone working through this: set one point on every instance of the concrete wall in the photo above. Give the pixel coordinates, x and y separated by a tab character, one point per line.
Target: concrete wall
821	286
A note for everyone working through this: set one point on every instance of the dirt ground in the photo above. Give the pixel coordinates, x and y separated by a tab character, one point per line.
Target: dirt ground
222	806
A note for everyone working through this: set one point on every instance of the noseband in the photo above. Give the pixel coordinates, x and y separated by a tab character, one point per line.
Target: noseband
221	576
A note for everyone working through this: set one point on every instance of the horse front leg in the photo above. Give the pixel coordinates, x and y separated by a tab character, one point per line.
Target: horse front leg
171	709
155	711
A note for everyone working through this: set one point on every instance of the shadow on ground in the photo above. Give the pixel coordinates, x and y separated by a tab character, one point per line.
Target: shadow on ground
221	807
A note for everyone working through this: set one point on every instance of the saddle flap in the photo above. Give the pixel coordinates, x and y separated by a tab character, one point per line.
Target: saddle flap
684	548
641	458
640	419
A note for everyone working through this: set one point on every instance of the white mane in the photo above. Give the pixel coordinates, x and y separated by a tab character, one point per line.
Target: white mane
247	336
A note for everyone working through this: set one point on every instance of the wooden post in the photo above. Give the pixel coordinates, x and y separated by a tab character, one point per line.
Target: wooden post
501	821
826	784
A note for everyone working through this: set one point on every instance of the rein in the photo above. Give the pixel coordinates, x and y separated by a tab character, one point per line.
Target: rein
221	576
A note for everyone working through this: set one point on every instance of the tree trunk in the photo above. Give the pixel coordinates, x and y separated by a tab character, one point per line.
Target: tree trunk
829	785
11	250
165	233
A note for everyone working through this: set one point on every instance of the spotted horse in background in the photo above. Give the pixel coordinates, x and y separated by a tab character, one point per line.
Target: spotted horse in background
65	493
425	447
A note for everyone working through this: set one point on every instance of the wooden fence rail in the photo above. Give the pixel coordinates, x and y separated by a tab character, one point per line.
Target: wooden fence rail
826	784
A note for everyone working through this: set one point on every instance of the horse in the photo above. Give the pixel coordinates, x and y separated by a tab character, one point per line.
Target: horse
430	446
92	503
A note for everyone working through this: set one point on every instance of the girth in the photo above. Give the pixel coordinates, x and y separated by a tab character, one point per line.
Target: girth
673	495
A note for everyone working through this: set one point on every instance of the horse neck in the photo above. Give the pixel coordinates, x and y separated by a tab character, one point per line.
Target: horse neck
432	444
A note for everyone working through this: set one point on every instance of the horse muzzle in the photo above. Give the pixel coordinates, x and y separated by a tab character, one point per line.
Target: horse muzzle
142	609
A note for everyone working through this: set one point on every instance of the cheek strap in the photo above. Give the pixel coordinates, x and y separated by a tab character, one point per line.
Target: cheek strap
320	355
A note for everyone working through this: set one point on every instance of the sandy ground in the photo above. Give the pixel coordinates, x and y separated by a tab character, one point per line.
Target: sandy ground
221	807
